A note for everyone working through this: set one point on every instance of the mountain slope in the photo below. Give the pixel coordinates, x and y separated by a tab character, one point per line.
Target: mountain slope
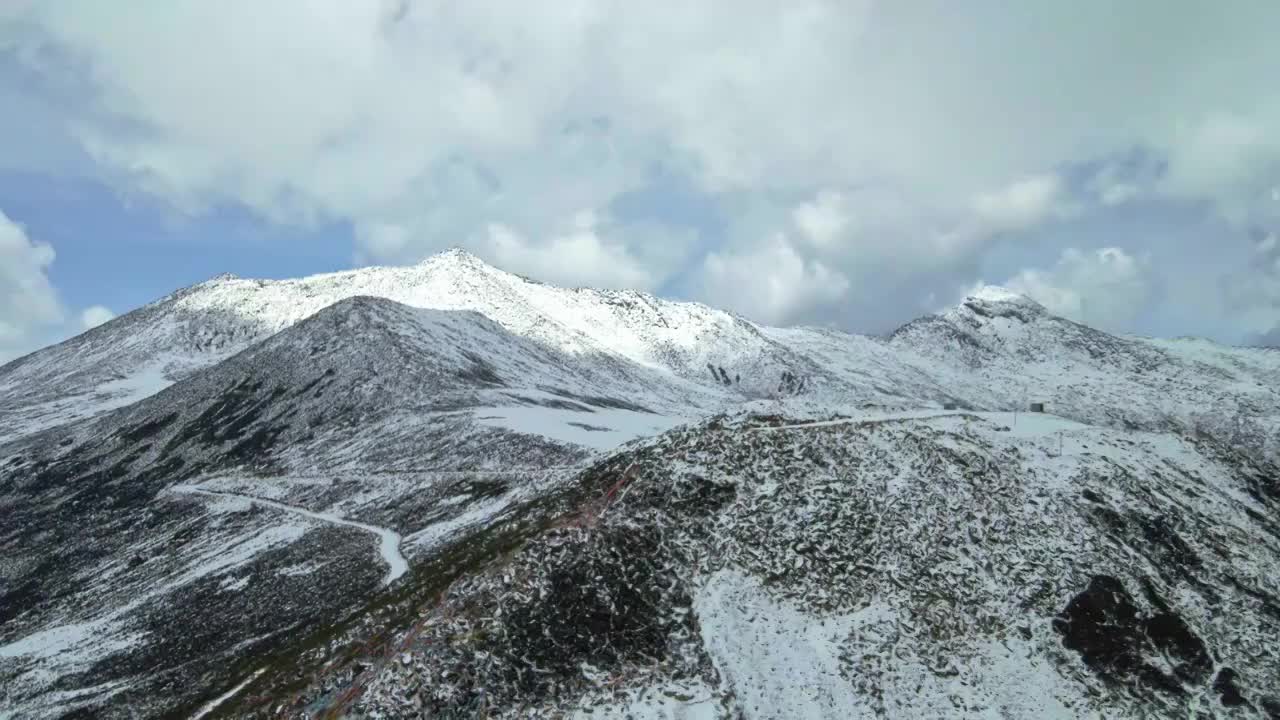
255	485
882	566
115	364
682	338
140	353
278	489
1000	350
996	350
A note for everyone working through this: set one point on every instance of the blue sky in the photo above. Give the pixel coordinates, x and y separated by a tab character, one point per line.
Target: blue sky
845	163
122	254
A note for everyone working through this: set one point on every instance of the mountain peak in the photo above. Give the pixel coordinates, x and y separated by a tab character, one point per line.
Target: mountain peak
456	255
999	294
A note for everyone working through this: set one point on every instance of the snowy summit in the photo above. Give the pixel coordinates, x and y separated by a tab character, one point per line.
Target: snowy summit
997	294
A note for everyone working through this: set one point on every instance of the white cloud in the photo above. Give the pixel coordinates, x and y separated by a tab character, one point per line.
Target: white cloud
421	122
95	315
381	241
1118	193
1253	294
884	232
580	256
365	101
1117	183
823	219
1106	288
772	282
1020	205
865	252
1232	160
29	305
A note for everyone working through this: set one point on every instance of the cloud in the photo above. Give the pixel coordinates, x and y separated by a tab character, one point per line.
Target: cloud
580	256
366	100
870	255
32	313
422	123
1020	205
772	282
879	228
1270	338
1118	193
1123	179
823	219
29	304
1231	160
1106	288
94	316
382	240
1253	293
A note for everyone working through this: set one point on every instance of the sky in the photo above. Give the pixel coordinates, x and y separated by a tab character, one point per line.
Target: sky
845	163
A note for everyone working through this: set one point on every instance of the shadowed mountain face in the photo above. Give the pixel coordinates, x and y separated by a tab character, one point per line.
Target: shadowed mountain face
272	485
366	403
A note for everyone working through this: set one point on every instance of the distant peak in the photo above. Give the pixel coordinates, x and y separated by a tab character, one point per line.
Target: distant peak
224	277
455	255
998	294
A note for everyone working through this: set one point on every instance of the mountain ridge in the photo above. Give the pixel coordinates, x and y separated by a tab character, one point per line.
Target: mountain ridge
207	322
251	452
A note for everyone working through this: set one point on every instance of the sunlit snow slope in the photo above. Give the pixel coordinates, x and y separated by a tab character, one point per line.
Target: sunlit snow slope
996	350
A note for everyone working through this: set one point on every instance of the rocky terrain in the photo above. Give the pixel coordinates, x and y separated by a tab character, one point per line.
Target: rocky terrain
1003	350
896	565
447	491
237	495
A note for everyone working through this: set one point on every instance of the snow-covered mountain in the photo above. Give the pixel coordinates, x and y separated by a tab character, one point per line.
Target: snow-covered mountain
366	417
886	565
1001	350
142	352
995	350
261	486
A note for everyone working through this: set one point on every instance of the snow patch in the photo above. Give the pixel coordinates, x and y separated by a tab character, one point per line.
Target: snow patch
74	644
234	584
996	293
213	704
240	551
128	390
777	660
388	544
600	429
305	568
